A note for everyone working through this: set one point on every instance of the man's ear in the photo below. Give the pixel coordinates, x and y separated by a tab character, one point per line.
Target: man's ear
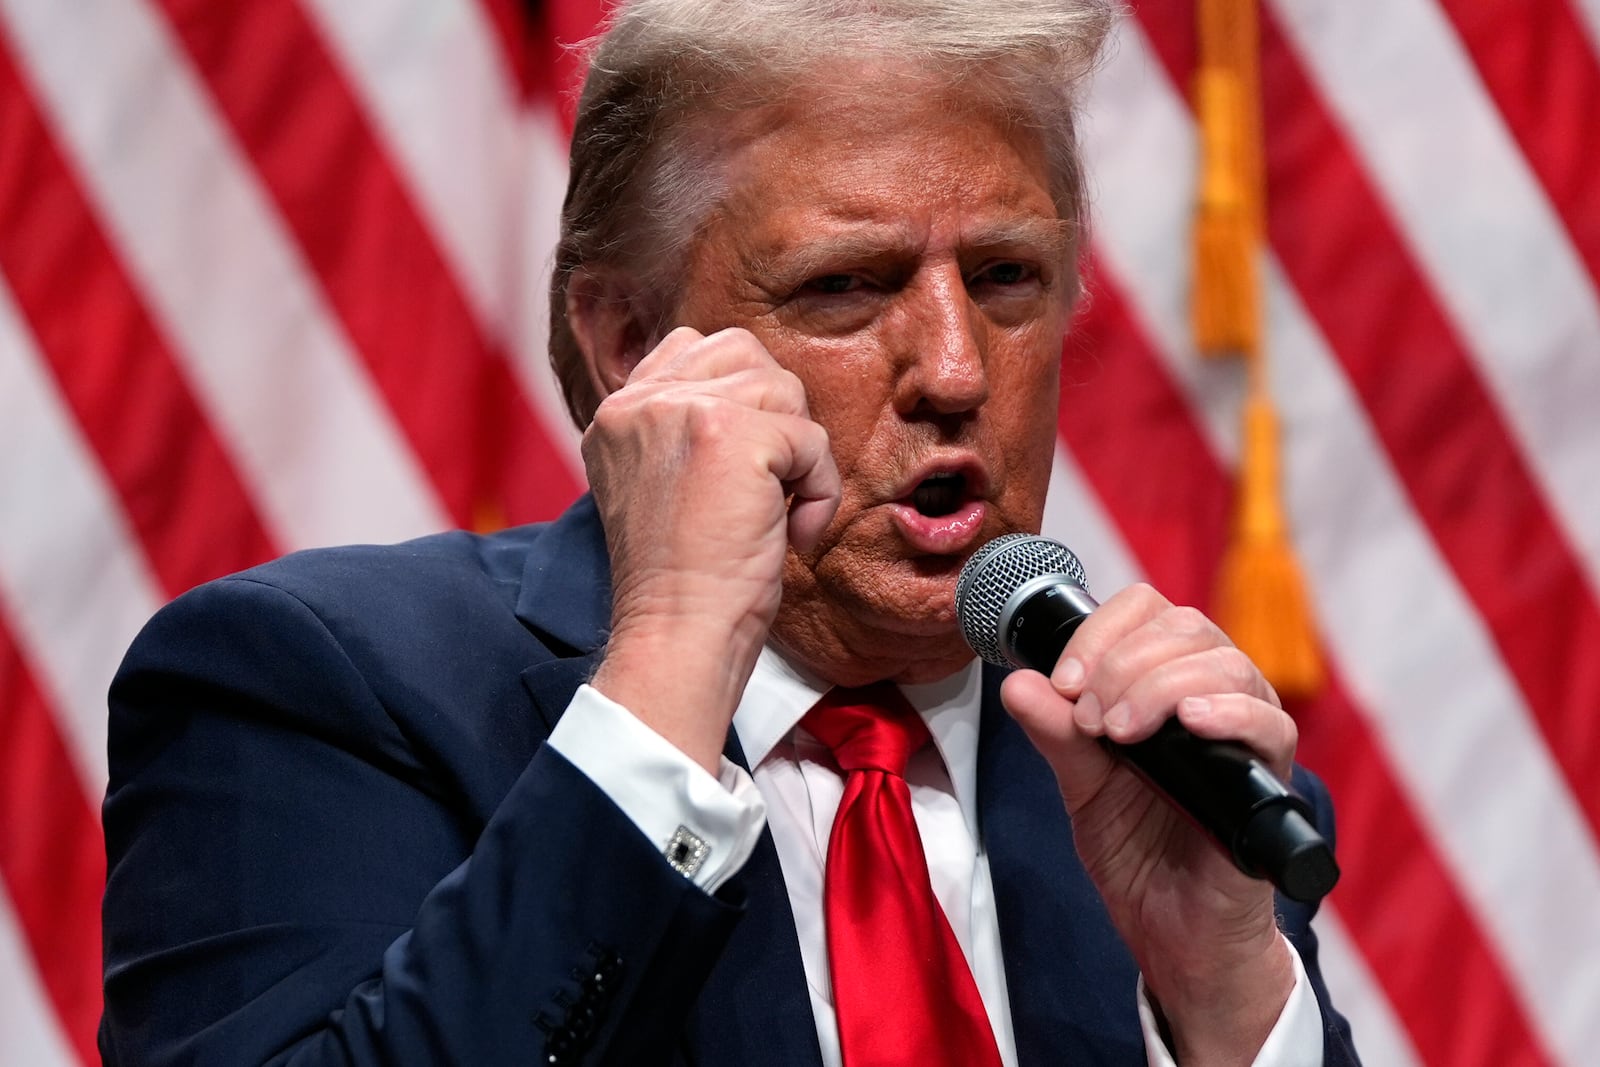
611	320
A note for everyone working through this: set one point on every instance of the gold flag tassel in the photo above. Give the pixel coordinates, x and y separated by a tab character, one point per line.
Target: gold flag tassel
1260	600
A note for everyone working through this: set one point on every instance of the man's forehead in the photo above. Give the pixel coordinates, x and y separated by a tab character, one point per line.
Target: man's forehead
842	236
882	168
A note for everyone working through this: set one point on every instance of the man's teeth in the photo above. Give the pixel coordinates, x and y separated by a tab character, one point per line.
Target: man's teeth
939	495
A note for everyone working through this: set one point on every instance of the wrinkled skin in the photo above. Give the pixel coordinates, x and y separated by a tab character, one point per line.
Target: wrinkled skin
882	294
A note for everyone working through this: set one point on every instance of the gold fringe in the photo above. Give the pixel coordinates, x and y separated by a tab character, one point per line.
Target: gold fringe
1225	231
1261	599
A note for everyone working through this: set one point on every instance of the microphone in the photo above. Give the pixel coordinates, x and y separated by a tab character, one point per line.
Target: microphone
1020	598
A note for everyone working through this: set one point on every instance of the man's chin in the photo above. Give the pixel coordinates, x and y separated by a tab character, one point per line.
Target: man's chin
873	619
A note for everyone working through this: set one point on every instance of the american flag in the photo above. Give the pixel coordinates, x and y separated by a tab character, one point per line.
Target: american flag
272	276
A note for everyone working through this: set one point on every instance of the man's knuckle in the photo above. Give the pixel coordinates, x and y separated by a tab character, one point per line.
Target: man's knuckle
738	335
1117	662
608	417
816	436
1144	593
1291	733
1239	669
1186	621
738	341
705	420
791	388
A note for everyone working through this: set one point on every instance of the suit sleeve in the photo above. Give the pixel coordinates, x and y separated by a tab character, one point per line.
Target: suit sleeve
1338	1049
291	882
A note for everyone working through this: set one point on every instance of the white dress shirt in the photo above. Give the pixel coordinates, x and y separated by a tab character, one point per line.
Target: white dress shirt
796	791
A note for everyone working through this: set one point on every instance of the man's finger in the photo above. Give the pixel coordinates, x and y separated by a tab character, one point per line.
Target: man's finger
687	355
1261	727
1134	713
666	351
809	477
1170	633
1110	623
1080	764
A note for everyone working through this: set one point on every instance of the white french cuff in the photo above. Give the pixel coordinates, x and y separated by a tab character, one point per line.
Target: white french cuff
706	827
1295	1040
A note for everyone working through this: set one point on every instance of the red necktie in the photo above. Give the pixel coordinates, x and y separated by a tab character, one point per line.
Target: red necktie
902	989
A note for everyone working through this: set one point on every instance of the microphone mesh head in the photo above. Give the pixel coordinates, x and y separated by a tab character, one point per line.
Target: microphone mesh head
999	569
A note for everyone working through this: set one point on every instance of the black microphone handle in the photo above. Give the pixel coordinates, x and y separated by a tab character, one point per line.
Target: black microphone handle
1224	787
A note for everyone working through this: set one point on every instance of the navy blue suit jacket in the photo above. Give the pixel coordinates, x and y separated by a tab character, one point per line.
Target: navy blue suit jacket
336	837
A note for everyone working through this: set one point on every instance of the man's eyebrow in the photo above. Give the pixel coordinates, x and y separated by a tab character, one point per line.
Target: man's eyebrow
1051	239
829	251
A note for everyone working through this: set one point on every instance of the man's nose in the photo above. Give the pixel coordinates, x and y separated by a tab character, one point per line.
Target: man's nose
946	348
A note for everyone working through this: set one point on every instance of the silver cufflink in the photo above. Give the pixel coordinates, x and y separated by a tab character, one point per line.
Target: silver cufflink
686	851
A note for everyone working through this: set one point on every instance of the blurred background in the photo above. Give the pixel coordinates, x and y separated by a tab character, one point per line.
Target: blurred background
272	275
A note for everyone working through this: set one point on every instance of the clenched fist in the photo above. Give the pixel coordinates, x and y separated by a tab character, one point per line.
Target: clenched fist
706	467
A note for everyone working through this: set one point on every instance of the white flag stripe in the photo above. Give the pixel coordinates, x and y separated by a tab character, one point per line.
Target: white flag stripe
1414	652
74	589
1073	515
1493	248
1375	557
221	277
437	94
30	1036
1150	209
1589	18
547	184
487	174
293	403
1379	1034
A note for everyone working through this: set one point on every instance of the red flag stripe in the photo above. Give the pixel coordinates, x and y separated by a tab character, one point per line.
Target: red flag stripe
1130	380
1408	929
110	362
1543	55
558	70
1438	421
1474	217
1112	384
50	852
537	38
450	389
520	50
488	189
223	278
1476	496
1381	1036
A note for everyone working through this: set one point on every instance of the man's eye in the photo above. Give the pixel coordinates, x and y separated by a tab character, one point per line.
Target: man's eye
1005	274
832	284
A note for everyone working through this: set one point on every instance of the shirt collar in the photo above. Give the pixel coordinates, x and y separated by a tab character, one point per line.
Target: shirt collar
780	693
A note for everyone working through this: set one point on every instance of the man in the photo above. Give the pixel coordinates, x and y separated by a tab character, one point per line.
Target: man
477	800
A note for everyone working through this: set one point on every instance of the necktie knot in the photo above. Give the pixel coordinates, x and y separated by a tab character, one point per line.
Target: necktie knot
869	728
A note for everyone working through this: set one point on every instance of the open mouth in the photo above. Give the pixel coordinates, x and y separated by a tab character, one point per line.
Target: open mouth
945	512
940	494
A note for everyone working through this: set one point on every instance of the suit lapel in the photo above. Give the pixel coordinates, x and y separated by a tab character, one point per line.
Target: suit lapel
565	595
1070	979
565	599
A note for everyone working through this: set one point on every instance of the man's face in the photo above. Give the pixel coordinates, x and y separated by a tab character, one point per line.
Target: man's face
898	250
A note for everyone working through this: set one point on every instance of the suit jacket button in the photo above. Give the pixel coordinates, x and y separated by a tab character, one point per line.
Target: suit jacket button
560	1046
